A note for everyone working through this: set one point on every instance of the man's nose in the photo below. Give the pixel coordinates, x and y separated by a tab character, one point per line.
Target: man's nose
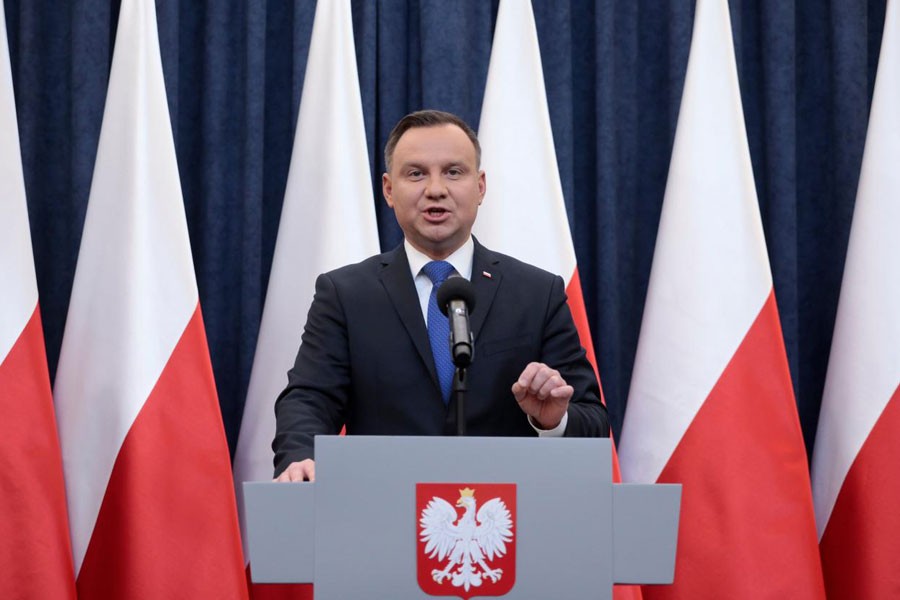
435	187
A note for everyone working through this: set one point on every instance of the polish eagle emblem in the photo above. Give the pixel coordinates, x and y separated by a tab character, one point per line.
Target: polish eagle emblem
467	547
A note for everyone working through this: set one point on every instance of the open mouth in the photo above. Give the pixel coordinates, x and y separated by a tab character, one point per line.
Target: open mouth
436	213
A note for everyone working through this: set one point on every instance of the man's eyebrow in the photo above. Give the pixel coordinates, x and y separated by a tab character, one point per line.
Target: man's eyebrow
412	164
416	164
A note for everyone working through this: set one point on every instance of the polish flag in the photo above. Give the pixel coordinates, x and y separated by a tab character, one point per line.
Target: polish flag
711	404
856	482
327	221
524	214
35	553
148	477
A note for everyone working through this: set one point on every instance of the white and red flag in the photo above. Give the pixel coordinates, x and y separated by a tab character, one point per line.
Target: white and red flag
711	404
35	553
524	213
856	481
327	221
148	477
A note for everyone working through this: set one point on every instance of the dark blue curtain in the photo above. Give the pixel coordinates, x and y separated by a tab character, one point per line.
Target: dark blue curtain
614	72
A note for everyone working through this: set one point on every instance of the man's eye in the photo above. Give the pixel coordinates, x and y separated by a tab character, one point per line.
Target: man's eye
415	174
454	172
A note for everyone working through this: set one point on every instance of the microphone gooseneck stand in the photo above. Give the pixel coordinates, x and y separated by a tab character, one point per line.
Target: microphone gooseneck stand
456	299
459	392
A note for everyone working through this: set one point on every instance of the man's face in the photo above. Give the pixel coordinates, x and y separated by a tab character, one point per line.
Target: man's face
434	188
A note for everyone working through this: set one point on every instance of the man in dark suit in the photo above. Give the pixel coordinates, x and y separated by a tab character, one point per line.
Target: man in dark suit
366	361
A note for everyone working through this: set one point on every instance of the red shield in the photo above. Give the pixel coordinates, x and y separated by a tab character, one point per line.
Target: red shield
466	538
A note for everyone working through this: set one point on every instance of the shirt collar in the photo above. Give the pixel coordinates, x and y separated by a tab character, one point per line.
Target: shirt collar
461	259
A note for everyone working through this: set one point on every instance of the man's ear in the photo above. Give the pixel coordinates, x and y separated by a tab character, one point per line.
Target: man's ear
387	188
482	186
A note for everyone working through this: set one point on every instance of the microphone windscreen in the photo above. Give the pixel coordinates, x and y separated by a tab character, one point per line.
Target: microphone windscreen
456	288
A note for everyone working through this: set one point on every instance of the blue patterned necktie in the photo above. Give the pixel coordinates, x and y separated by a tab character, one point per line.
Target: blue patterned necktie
439	327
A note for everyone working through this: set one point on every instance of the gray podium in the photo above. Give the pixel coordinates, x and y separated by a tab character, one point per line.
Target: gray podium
357	532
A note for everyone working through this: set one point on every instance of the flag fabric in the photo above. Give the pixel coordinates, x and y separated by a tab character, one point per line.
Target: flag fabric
856	482
148	476
327	221
35	552
711	404
525	216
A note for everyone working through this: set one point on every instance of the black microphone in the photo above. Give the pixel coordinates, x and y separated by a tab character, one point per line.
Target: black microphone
456	299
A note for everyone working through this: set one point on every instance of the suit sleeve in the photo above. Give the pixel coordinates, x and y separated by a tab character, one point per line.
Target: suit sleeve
316	397
562	350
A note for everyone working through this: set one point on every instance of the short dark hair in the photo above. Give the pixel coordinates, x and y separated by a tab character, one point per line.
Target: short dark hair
427	118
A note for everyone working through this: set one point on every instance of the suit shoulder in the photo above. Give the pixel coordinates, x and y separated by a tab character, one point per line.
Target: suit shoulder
355	271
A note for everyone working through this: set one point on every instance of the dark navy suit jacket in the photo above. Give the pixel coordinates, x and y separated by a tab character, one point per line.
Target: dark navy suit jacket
365	360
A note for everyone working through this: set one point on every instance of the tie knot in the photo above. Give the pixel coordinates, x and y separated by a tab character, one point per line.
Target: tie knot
438	271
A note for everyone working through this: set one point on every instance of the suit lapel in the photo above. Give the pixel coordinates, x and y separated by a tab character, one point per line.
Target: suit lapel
486	276
397	281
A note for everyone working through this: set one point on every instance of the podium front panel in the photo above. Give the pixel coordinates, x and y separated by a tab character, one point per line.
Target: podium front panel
367	522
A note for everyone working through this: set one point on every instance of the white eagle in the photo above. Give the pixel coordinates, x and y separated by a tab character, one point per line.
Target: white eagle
471	542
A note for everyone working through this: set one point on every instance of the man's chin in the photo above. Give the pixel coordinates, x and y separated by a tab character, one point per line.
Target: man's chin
438	247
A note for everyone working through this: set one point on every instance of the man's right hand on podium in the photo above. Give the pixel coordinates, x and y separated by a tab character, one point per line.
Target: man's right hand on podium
305	470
